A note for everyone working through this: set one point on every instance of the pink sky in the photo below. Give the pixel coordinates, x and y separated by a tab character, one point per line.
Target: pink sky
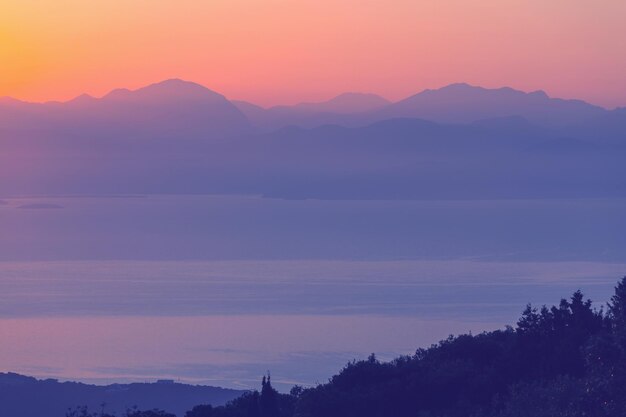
287	51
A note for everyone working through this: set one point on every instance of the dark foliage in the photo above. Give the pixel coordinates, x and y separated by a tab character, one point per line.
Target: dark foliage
267	403
84	412
564	361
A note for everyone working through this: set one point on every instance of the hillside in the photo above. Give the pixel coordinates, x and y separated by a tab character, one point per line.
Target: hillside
561	361
22	396
173	109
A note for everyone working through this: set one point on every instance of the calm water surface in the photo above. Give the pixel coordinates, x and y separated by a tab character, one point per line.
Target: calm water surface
220	289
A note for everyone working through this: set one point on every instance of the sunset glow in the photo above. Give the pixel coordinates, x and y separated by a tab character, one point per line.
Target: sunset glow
281	51
306	208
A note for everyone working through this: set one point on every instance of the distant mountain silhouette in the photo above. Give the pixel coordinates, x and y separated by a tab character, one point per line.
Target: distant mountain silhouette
22	396
463	103
172	108
392	159
459	141
346	103
338	110
185	110
455	103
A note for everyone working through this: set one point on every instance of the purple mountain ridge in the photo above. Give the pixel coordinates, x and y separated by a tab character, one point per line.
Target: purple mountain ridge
338	110
346	103
177	109
490	144
456	103
463	103
172	108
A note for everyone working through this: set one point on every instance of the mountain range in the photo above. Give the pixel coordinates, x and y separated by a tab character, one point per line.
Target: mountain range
173	108
458	141
180	108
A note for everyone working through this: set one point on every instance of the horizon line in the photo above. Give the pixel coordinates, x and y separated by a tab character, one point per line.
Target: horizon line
336	95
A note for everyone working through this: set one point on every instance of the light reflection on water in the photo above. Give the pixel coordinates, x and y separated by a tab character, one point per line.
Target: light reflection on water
226	322
220	289
230	351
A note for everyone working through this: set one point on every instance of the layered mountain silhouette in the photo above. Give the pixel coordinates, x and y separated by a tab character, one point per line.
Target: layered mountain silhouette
463	103
22	396
185	109
343	109
172	108
457	103
459	141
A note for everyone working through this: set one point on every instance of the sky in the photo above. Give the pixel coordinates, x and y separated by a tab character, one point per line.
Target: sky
285	51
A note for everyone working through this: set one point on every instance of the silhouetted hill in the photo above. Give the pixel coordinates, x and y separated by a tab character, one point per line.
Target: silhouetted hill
345	109
567	360
182	109
22	396
456	103
346	103
173	109
456	142
463	103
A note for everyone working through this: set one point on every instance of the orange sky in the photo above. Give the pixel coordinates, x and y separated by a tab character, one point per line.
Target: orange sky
286	51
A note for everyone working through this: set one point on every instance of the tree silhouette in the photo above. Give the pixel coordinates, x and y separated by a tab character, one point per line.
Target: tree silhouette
567	360
269	398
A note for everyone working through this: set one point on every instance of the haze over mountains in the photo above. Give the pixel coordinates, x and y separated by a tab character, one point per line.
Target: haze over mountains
462	103
175	136
460	142
340	110
173	108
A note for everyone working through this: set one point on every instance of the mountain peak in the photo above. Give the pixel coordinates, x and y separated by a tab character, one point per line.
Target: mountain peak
353	96
82	99
469	89
461	86
465	103
175	84
178	87
117	93
173	88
